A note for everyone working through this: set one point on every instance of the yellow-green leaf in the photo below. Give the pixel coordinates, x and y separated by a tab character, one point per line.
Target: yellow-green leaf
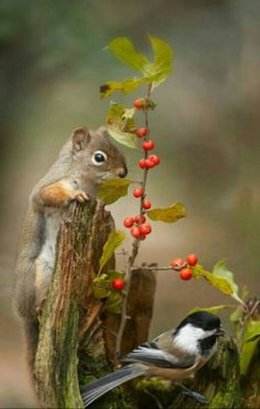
124	51
220	270
121	125
125	86
168	214
219	282
112	189
161	68
115	239
213	310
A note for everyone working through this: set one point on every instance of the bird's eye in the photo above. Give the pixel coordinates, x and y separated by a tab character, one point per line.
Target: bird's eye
99	158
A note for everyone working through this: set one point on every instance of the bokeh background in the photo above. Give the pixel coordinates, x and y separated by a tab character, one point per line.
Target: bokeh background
206	129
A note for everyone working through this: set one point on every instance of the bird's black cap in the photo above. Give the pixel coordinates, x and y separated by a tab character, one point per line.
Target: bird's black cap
201	319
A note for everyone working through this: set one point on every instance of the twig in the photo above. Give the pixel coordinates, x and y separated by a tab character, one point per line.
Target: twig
135	248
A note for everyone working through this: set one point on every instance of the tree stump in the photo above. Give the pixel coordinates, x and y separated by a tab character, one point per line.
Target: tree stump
77	336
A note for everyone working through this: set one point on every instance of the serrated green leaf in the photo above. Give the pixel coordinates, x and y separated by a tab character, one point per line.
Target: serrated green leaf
125	86
121	125
168	214
213	310
114	302
219	282
163	58
115	239
124	51
112	189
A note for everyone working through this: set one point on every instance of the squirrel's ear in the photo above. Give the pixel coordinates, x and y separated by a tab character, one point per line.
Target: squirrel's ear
80	138
102	130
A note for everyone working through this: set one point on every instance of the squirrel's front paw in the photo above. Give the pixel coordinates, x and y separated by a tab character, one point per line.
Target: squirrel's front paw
79	195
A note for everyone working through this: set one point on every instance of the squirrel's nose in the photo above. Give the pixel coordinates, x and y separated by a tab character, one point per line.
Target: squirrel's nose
122	172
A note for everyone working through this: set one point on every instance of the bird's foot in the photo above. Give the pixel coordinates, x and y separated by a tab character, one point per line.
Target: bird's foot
195	395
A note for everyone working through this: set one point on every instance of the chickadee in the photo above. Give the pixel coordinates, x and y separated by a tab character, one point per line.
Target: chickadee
174	355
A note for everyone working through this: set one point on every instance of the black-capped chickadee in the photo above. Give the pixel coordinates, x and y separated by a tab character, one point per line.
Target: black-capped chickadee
174	355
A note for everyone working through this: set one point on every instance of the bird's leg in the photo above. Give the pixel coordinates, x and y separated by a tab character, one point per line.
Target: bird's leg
195	395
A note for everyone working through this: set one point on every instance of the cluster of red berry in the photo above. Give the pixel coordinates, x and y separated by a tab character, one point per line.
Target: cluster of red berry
181	265
139	229
138	226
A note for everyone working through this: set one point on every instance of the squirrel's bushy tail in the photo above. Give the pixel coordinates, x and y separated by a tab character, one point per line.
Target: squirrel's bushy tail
31	329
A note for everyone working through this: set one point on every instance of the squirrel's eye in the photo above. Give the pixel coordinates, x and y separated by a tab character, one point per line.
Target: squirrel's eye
99	158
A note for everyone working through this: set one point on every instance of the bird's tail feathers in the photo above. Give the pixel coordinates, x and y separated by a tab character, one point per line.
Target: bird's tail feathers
95	390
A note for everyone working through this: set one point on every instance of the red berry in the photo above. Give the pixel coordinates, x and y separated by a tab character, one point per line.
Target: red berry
178	263
145	229
148	145
192	259
142	163
155	159
140	219
141	132
149	164
135	232
146	204
139	103
129	221
138	192
142	237
186	274
118	283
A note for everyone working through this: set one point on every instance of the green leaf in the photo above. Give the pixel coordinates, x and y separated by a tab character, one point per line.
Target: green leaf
112	189
121	125
251	339
220	270
114	302
213	310
163	58
253	331
168	214
101	287
220	283
124	51
125	86
112	274
236	315
115	239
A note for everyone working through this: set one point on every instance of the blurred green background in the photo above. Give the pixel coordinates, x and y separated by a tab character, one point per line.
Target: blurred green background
206	129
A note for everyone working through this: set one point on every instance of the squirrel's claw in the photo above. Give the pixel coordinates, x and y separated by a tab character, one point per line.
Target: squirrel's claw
80	196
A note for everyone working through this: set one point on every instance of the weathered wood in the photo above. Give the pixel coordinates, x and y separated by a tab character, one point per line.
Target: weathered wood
74	344
139	312
70	309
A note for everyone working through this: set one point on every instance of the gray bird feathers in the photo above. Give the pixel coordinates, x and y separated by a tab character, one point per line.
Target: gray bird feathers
93	391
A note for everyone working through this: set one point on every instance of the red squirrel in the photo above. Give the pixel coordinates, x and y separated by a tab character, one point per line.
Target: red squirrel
87	159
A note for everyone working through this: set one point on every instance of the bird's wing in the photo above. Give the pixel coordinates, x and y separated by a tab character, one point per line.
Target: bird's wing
151	354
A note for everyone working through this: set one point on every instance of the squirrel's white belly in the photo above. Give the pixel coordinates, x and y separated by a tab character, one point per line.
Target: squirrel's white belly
46	260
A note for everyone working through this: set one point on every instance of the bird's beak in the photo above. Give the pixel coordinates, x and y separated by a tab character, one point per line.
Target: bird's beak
221	332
